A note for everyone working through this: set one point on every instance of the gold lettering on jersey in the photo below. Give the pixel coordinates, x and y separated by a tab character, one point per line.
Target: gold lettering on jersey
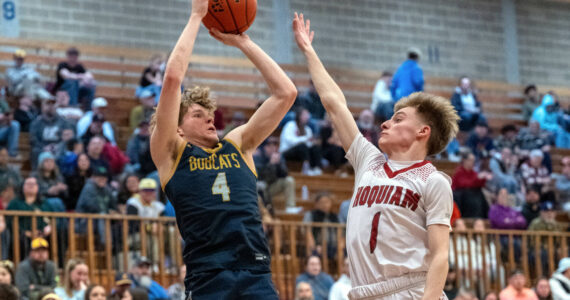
388	195
214	162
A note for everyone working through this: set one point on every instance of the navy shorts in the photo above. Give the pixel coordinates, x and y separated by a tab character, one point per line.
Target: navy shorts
229	284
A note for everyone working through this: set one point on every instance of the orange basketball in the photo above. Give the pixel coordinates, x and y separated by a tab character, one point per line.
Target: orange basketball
230	16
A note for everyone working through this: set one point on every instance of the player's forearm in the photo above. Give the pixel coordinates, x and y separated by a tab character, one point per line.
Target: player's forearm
279	83
180	57
330	93
436	276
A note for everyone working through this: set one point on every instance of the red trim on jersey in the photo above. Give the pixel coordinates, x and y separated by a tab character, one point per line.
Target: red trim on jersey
392	174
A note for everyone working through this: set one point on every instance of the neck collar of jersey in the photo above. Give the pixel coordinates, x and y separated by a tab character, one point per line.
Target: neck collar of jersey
392	174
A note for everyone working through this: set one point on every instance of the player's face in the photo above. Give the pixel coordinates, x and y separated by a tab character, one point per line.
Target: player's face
198	126
400	132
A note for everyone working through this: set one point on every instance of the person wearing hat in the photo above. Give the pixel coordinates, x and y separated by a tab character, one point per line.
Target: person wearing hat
560	281
36	272
480	140
141	276
517	288
466	104
124	289
548	116
144	111
23	80
75	79
98	112
46	130
409	78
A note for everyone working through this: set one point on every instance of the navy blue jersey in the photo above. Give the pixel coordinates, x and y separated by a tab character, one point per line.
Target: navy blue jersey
214	195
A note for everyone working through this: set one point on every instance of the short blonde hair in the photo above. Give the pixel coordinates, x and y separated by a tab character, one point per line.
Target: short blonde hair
438	113
196	95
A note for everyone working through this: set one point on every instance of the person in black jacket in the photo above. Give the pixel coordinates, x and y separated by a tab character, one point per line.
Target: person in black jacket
467	105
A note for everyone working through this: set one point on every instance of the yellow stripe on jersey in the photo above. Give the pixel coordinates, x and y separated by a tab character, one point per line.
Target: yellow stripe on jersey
175	165
252	168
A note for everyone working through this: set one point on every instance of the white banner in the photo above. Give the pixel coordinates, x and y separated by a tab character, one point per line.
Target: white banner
9	18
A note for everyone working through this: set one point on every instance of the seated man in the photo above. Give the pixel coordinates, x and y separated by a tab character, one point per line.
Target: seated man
468	107
9	129
45	131
36	272
142	278
99	108
320	282
516	288
23	80
76	80
138	151
69	113
143	111
303	291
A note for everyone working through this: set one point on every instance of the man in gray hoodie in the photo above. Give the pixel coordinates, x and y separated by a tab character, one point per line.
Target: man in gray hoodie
36	272
45	131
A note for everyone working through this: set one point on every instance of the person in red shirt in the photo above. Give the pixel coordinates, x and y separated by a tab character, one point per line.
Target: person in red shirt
467	187
516	289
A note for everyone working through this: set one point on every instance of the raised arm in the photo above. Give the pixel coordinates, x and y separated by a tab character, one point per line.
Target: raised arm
165	143
283	93
331	95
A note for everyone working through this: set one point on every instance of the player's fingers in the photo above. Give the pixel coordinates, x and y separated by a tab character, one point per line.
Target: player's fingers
308	26
312	36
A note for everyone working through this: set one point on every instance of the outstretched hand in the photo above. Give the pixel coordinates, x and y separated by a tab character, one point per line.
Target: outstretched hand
229	39
302	30
200	8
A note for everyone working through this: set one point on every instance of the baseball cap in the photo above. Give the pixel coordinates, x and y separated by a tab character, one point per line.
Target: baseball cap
43	156
563	265
146	94
100	171
99	102
143	260
39	243
547	206
51	296
122	279
147	184
415	50
21	53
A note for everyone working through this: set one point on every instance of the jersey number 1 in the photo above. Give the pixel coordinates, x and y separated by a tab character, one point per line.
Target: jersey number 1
374	231
221	187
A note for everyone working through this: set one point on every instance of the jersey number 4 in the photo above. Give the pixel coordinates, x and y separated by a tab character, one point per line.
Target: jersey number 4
374	231
221	187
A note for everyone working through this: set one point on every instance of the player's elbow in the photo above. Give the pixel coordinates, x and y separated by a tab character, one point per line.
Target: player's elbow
173	76
288	93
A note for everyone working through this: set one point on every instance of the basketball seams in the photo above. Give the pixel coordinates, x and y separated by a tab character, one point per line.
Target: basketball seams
233	18
211	13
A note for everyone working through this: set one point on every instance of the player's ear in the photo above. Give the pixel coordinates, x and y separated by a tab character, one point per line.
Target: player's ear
180	132
424	131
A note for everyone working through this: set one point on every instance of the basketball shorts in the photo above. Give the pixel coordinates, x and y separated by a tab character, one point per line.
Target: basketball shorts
407	287
231	284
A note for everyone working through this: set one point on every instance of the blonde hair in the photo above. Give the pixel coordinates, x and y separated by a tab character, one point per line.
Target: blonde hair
69	267
438	113
196	95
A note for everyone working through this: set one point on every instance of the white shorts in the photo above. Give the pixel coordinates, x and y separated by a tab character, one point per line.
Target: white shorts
407	287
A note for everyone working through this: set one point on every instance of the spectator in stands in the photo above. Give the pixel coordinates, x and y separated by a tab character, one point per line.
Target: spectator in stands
503	216
299	144
142	278
321	213
409	78
494	271
26	113
273	174
45	131
128	189
36	272
331	147
516	288
99	109
343	211
138	151
69	113
531	102
24	80
340	289
9	292
491	296
366	126
560	280
465	101
95	153
464	294
546	221
29	200
547	115
542	289
459	251
480	140
151	79
382	102
9	129
531	207
143	111
467	187
7	272
177	290
320	282
95	292
8	176
123	287
562	184
51	183
238	119
303	291
76	180
508	138
503	165
450	288
533	137
75	280
533	172
311	101
76	80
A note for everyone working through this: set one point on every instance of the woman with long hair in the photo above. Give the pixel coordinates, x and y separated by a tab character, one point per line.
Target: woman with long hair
75	280
76	180
95	292
51	184
298	143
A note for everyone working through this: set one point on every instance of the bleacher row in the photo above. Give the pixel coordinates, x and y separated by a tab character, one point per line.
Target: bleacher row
238	86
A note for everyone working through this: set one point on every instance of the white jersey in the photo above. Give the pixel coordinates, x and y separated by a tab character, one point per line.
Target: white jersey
391	207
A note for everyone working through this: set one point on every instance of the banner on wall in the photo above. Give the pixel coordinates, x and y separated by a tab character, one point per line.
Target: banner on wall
9	18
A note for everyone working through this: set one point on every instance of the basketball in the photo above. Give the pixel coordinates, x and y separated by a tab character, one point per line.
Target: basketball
230	16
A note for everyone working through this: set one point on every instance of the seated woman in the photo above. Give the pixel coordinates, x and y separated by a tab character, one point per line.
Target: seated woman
52	187
321	214
467	187
151	79
299	144
534	172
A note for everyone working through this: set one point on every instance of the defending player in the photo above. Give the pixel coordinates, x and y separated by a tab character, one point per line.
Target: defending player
398	221
212	183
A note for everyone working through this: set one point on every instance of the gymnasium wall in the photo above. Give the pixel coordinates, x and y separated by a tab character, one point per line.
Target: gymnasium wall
456	36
